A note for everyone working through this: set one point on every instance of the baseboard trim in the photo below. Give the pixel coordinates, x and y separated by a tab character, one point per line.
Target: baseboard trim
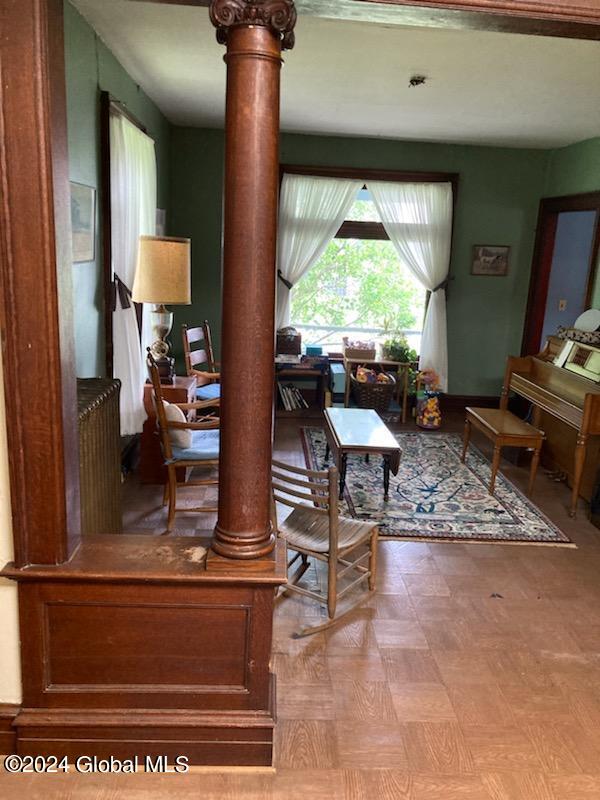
458	402
205	739
8	734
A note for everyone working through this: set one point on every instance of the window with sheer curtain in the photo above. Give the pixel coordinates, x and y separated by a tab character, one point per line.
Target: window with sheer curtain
359	287
133	214
416	217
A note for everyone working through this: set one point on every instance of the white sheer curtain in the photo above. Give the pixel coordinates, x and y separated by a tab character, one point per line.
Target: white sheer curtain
311	211
418	219
133	213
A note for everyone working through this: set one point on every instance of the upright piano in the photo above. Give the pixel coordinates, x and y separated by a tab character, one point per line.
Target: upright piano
566	401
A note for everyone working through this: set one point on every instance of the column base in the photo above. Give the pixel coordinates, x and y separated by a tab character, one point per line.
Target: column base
273	561
242	547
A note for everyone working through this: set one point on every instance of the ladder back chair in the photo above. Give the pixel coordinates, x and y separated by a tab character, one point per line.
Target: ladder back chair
184	443
314	529
198	352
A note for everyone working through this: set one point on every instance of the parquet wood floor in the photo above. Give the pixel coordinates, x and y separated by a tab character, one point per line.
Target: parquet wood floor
472	674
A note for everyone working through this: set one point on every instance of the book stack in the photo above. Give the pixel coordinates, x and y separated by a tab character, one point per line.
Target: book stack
291	397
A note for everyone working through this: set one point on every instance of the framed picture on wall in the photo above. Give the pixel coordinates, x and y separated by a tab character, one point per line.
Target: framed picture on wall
83	221
490	259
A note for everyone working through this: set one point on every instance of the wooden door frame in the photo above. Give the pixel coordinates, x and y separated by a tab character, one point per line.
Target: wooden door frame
36	284
550	208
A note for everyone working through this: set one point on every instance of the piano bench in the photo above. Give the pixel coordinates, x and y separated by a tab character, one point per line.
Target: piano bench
504	430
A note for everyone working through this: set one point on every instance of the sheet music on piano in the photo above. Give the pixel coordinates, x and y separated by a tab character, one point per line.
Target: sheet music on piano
583	359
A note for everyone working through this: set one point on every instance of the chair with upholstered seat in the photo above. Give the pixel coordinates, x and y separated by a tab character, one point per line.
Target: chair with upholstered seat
314	529
198	352
184	443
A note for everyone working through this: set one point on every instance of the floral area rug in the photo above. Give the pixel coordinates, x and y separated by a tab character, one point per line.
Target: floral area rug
434	497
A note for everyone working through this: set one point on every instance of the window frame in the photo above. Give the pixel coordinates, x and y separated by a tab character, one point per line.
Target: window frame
351	229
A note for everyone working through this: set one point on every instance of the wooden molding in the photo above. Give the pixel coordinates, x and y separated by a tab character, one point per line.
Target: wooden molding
8	741
35	283
535	17
213	739
550	208
357	173
279	16
106	231
458	402
577	20
585	10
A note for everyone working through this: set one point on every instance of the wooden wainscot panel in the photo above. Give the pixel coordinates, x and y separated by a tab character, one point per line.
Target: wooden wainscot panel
146	646
133	648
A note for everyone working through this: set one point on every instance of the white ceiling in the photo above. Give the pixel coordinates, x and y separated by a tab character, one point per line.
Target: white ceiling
351	78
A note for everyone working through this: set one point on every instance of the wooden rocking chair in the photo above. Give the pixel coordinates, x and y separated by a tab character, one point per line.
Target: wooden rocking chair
314	529
202	452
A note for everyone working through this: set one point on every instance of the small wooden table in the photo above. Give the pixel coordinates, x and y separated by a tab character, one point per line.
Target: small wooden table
360	431
401	368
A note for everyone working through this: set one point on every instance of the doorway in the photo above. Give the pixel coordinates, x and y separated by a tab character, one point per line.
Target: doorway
564	271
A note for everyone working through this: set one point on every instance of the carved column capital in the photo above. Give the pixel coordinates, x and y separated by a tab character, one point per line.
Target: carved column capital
278	15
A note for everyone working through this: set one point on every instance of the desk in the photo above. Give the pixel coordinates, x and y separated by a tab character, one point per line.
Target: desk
360	431
402	368
152	470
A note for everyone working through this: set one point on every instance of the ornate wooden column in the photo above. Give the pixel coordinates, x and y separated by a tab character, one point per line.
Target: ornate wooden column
255	32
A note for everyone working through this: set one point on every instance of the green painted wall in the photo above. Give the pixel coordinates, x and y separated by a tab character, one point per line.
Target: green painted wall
574	169
498	199
196	171
90	69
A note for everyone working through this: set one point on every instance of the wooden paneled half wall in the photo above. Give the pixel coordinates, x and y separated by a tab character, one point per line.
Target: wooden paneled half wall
133	648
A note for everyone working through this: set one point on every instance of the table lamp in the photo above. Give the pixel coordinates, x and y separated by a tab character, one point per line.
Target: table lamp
162	277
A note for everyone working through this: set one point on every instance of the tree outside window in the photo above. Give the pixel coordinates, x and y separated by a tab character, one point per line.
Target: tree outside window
358	283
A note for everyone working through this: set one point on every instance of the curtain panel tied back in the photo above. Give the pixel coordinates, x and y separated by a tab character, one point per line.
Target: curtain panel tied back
311	212
418	219
133	213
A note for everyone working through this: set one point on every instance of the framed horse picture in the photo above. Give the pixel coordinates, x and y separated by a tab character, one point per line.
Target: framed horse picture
491	260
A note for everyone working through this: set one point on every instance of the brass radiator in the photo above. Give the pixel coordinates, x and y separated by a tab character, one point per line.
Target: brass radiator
99	455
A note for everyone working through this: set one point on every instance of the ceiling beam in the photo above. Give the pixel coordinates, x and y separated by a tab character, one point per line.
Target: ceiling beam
576	20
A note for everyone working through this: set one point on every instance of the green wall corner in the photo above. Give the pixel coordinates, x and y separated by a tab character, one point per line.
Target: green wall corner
91	68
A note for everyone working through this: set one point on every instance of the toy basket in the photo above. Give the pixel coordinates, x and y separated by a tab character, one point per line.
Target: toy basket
373	395
365	350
